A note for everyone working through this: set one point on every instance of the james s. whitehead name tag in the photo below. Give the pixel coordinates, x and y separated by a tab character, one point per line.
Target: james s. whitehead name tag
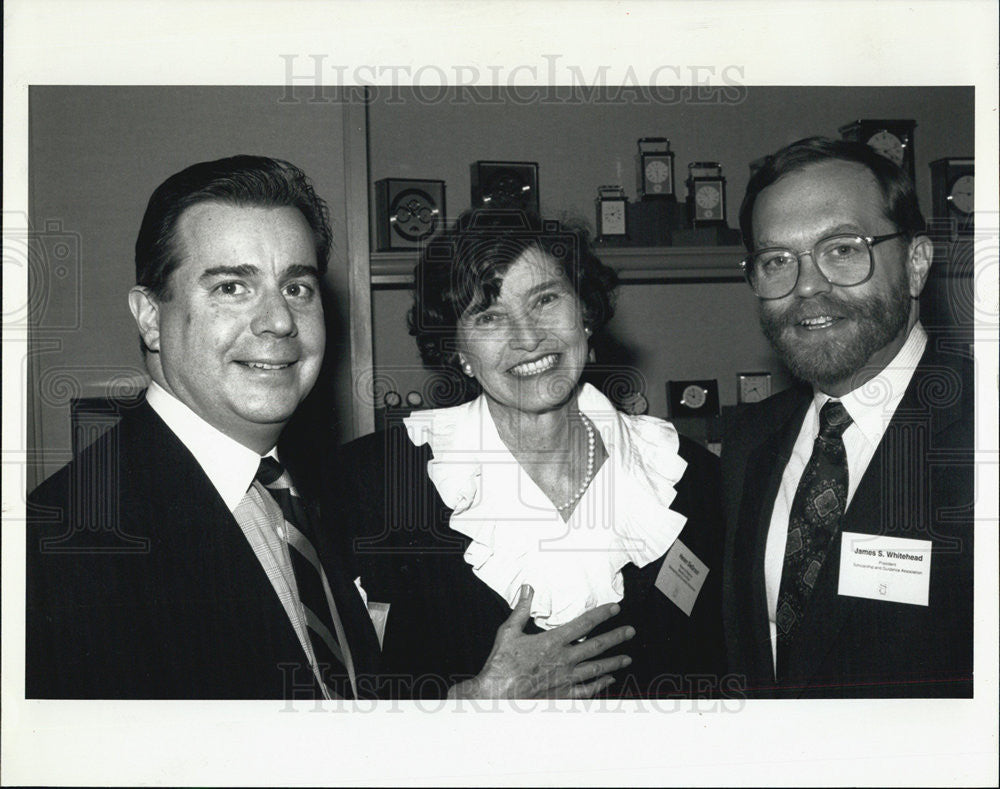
681	576
893	569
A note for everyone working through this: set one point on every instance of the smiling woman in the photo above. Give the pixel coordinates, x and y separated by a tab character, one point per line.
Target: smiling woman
536	496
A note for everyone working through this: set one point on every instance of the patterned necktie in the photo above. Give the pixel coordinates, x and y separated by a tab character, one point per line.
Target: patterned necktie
309	575
814	520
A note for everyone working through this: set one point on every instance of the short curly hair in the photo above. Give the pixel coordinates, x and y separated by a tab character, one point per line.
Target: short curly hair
464	266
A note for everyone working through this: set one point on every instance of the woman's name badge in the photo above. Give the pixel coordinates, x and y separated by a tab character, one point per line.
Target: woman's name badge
681	576
894	569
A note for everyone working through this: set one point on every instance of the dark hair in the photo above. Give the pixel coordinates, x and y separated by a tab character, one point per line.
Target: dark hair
901	206
255	181
465	266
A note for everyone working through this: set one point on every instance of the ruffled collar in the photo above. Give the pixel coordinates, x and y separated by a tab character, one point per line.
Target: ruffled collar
517	534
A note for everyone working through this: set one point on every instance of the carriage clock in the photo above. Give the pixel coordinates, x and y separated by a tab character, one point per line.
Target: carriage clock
953	194
706	197
656	168
753	387
612	213
891	138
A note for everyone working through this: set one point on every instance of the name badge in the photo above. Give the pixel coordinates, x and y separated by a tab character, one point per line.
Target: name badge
894	569
681	576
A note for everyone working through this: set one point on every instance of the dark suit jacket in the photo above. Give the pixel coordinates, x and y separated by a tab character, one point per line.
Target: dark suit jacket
919	485
443	620
141	584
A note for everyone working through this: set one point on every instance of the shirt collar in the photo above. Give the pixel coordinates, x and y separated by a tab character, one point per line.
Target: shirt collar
873	404
229	465
514	528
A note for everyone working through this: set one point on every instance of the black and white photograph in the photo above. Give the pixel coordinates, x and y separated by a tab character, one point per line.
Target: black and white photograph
386	409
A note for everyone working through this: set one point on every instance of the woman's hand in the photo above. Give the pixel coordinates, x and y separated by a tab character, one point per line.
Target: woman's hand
549	664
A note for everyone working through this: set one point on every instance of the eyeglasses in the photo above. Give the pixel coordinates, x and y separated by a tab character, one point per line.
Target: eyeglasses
844	260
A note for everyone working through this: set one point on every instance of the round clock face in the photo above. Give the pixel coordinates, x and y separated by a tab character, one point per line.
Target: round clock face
708	196
414	214
657	171
634	403
962	194
887	144
694	396
392	400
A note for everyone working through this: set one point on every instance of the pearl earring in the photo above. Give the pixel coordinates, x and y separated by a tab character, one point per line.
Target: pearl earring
467	369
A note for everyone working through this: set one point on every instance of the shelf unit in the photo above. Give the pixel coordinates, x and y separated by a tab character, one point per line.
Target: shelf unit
634	265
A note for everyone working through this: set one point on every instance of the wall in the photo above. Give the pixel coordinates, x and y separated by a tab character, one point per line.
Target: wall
96	155
582	144
673	331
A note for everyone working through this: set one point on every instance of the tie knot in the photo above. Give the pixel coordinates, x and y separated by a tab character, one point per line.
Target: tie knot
269	471
833	420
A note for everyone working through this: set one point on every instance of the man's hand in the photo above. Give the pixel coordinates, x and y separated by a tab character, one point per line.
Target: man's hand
549	664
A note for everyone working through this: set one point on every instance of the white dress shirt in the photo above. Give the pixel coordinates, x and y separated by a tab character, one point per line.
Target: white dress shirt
871	407
231	468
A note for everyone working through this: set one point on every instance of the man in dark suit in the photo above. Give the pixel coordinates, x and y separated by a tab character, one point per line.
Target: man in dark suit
849	500
173	558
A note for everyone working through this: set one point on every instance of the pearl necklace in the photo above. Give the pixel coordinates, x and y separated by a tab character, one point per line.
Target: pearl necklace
591	447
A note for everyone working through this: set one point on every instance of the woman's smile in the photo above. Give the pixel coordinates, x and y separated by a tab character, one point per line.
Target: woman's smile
535	366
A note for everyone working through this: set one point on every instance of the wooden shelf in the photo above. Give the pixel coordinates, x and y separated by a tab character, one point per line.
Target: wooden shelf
633	264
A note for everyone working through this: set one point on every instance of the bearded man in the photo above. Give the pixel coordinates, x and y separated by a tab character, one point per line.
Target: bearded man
849	500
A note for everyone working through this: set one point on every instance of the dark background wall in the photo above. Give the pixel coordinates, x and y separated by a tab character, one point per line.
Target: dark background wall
96	153
582	140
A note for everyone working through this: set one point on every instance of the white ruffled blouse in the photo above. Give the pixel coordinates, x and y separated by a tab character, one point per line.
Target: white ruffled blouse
518	535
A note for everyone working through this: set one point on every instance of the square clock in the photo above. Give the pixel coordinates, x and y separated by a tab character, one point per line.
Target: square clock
753	387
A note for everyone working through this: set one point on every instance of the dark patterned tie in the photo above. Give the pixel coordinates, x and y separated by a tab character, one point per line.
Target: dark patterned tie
814	520
309	576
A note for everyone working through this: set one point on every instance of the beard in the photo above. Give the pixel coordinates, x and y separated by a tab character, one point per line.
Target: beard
877	320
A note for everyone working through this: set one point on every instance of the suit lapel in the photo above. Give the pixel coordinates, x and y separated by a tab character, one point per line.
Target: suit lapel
200	529
888	501
765	466
200	555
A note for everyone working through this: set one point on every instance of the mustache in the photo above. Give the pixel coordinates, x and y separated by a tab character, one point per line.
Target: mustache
825	305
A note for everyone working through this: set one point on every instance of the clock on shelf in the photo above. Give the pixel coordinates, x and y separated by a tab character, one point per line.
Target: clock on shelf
407	212
612	213
505	185
706	198
693	398
753	387
392	399
414	399
953	192
633	403
891	138
656	168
